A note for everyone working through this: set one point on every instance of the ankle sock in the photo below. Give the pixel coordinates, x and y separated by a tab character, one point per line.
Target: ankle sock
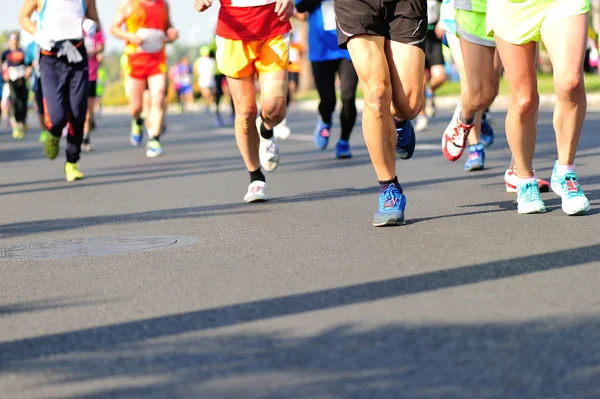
466	121
562	170
264	132
257	175
384	184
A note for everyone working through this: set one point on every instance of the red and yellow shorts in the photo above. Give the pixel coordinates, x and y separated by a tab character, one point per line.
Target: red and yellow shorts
239	58
143	65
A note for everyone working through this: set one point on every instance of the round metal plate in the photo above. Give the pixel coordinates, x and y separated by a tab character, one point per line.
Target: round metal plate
93	246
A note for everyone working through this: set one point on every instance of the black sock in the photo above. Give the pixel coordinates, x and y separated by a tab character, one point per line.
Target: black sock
139	121
257	175
400	124
264	132
383	185
466	121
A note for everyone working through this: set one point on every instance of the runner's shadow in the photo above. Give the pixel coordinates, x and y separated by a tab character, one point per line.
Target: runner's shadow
541	358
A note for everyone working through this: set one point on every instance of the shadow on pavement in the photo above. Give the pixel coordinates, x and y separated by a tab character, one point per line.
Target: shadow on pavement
553	358
47	304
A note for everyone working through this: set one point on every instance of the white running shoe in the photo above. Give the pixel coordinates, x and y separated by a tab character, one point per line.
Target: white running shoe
268	151
511	181
429	108
256	192
282	131
454	139
421	123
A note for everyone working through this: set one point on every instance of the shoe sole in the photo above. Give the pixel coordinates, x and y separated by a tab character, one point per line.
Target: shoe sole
406	154
153	154
474	168
255	200
531	211
389	222
75	179
135	143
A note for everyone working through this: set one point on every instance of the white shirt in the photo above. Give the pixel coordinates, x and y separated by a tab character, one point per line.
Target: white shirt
61	19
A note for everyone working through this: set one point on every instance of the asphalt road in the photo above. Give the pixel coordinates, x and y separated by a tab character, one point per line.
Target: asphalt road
299	297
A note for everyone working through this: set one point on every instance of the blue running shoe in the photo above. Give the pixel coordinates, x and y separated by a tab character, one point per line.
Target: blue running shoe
529	199
342	150
321	138
476	159
219	121
391	208
574	201
487	132
137	134
406	140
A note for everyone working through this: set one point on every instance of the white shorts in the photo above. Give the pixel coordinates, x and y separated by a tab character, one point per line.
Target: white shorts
5	93
207	84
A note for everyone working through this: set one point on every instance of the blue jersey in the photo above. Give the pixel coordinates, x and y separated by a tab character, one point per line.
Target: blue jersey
322	34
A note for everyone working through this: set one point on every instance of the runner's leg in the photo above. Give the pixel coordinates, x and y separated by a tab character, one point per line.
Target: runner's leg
568	36
521	119
156	115
369	56
246	134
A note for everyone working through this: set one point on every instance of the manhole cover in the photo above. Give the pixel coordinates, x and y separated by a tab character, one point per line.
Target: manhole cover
93	246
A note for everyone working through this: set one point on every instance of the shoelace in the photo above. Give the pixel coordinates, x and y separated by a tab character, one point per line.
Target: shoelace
531	192
391	196
572	185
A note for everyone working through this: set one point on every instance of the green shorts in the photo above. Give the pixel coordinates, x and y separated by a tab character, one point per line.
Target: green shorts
471	26
523	21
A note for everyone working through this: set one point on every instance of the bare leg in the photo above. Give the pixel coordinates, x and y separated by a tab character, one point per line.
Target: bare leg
371	64
273	95
569	36
136	97
482	83
246	134
406	78
155	118
521	119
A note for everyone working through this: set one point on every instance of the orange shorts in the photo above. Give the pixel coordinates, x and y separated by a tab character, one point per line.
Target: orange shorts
239	58
143	65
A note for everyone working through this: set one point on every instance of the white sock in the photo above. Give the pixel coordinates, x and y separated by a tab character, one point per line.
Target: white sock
520	181
562	170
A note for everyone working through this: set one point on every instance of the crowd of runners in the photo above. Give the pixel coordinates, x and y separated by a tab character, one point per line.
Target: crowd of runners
394	49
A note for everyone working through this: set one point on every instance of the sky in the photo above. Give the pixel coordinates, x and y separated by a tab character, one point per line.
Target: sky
194	27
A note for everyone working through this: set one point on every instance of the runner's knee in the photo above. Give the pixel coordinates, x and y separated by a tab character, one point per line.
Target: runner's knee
378	96
483	96
246	111
526	101
274	112
568	84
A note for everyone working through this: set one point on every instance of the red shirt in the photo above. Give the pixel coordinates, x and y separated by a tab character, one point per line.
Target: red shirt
250	23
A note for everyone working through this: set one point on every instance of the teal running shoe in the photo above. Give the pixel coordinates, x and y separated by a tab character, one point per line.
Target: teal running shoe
574	202
529	199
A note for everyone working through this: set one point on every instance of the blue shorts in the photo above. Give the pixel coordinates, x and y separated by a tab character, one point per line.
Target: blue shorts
185	90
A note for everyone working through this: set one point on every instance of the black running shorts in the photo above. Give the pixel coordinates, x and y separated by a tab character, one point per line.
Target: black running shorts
403	21
433	50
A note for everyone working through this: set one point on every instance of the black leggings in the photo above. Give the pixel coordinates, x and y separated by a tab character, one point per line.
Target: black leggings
18	96
324	73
